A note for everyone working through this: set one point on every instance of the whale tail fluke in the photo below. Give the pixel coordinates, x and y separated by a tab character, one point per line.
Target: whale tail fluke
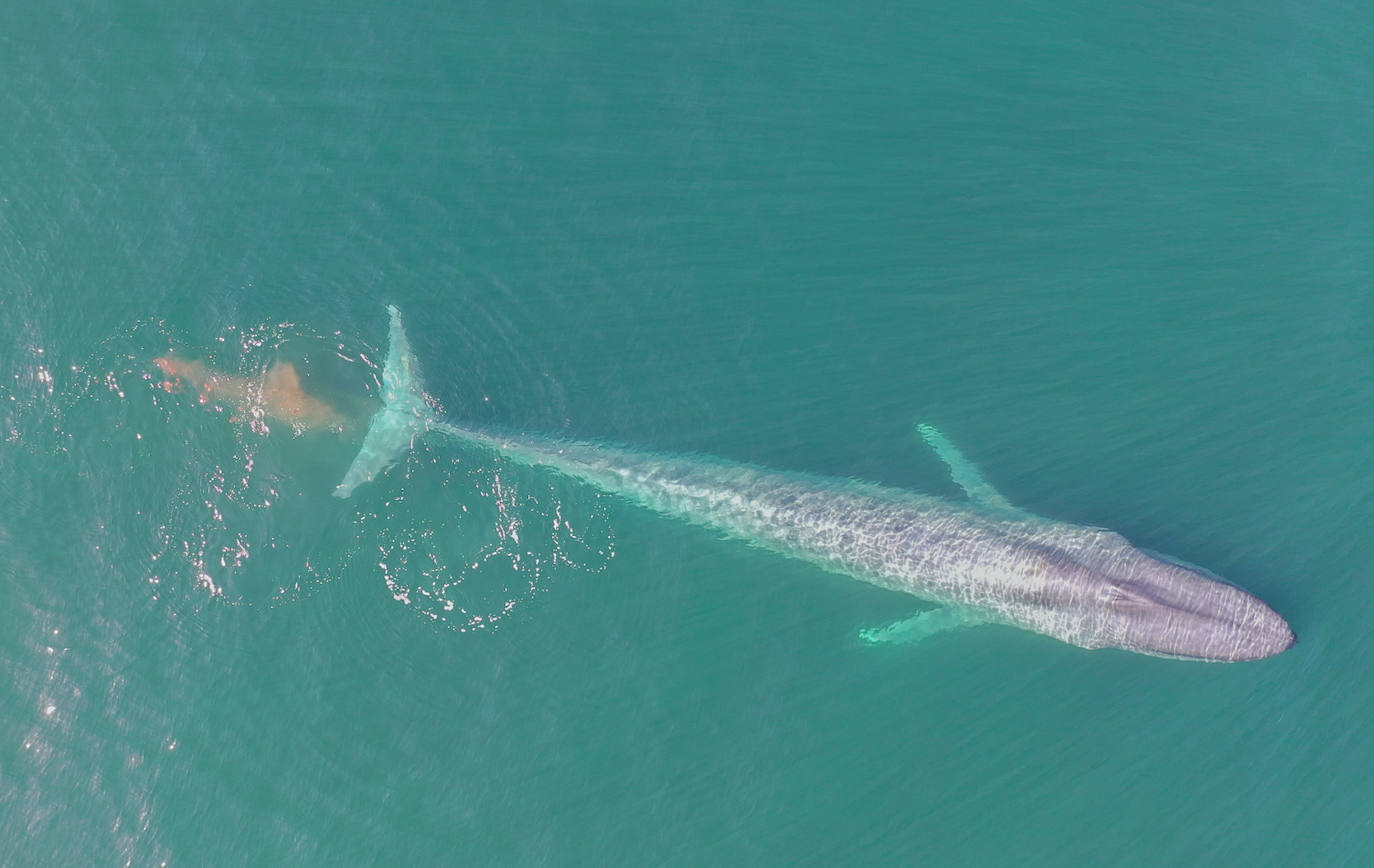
404	415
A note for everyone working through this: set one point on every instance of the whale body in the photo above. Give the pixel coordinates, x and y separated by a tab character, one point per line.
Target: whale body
983	561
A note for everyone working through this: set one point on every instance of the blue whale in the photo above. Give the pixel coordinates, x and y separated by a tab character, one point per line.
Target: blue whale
980	561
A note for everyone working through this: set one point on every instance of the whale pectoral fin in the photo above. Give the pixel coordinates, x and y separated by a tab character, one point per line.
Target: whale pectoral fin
962	471
922	625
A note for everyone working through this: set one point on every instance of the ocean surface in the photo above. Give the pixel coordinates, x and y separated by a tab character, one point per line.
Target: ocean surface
1122	255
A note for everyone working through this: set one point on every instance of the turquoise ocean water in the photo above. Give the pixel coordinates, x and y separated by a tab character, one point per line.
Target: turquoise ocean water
1122	255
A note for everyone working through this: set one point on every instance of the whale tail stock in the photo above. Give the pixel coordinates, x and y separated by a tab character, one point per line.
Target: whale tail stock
404	415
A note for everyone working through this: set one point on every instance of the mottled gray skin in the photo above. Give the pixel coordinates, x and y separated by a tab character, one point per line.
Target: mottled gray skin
1086	586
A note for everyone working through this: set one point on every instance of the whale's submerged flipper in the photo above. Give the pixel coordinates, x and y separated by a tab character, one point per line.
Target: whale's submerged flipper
405	414
921	626
964	472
